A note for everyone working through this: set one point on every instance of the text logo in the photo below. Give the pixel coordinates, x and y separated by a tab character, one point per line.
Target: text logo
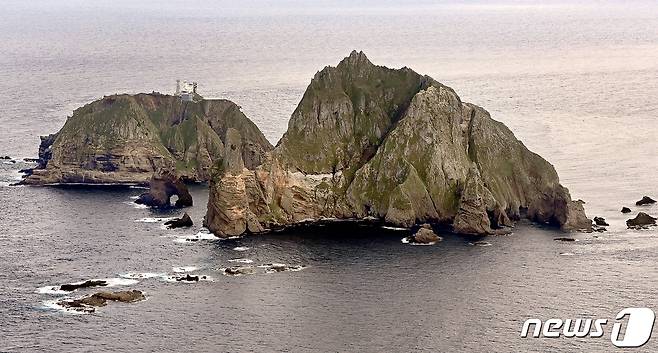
636	332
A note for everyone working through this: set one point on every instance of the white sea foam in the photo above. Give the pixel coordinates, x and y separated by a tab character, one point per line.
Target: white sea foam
241	248
244	261
154	219
480	243
395	228
53	305
567	254
141	275
113	282
136	205
183	269
405	240
201	235
54	290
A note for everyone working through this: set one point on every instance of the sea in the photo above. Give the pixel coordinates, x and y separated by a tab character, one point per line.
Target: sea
576	81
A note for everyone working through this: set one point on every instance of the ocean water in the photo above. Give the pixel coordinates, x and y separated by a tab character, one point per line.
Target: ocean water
576	81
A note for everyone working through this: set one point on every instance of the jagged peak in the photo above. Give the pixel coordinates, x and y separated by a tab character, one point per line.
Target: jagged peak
355	59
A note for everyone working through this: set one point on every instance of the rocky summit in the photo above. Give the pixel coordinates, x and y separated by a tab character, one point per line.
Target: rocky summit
368	141
127	138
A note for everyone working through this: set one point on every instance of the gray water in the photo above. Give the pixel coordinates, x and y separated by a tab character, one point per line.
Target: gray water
577	82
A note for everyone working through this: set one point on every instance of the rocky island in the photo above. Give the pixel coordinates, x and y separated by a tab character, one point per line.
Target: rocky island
369	142
125	139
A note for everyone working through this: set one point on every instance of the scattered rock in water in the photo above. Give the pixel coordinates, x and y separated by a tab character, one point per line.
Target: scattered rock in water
184	221
424	235
641	221
566	239
600	221
188	278
480	243
162	188
5	157
86	284
646	200
88	304
277	267
239	270
31	160
625	210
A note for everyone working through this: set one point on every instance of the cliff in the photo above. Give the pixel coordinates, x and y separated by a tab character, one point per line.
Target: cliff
368	141
126	138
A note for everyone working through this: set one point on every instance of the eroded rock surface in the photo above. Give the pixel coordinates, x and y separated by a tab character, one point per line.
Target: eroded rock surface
161	188
368	141
125	139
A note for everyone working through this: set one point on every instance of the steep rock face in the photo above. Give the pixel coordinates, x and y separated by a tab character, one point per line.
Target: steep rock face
127	138
367	141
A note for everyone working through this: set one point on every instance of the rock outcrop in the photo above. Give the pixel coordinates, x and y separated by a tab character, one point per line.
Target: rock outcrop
184	221
424	235
161	188
90	303
125	139
642	220
646	200
69	287
368	141
625	210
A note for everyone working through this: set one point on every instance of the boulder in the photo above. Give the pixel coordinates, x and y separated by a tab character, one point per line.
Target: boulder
161	188
5	157
86	284
642	220
625	210
184	221
646	200
424	235
600	221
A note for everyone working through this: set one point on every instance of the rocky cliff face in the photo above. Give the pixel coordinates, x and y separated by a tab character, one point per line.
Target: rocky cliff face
127	138
368	141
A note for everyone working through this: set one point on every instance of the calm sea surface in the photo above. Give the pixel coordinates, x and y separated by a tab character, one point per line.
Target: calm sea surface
577	82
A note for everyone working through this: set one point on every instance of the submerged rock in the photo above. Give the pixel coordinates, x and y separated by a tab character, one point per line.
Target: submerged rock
626	210
566	239
239	270
86	284
184	221
642	220
354	150
600	221
188	278
127	138
646	200
161	188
